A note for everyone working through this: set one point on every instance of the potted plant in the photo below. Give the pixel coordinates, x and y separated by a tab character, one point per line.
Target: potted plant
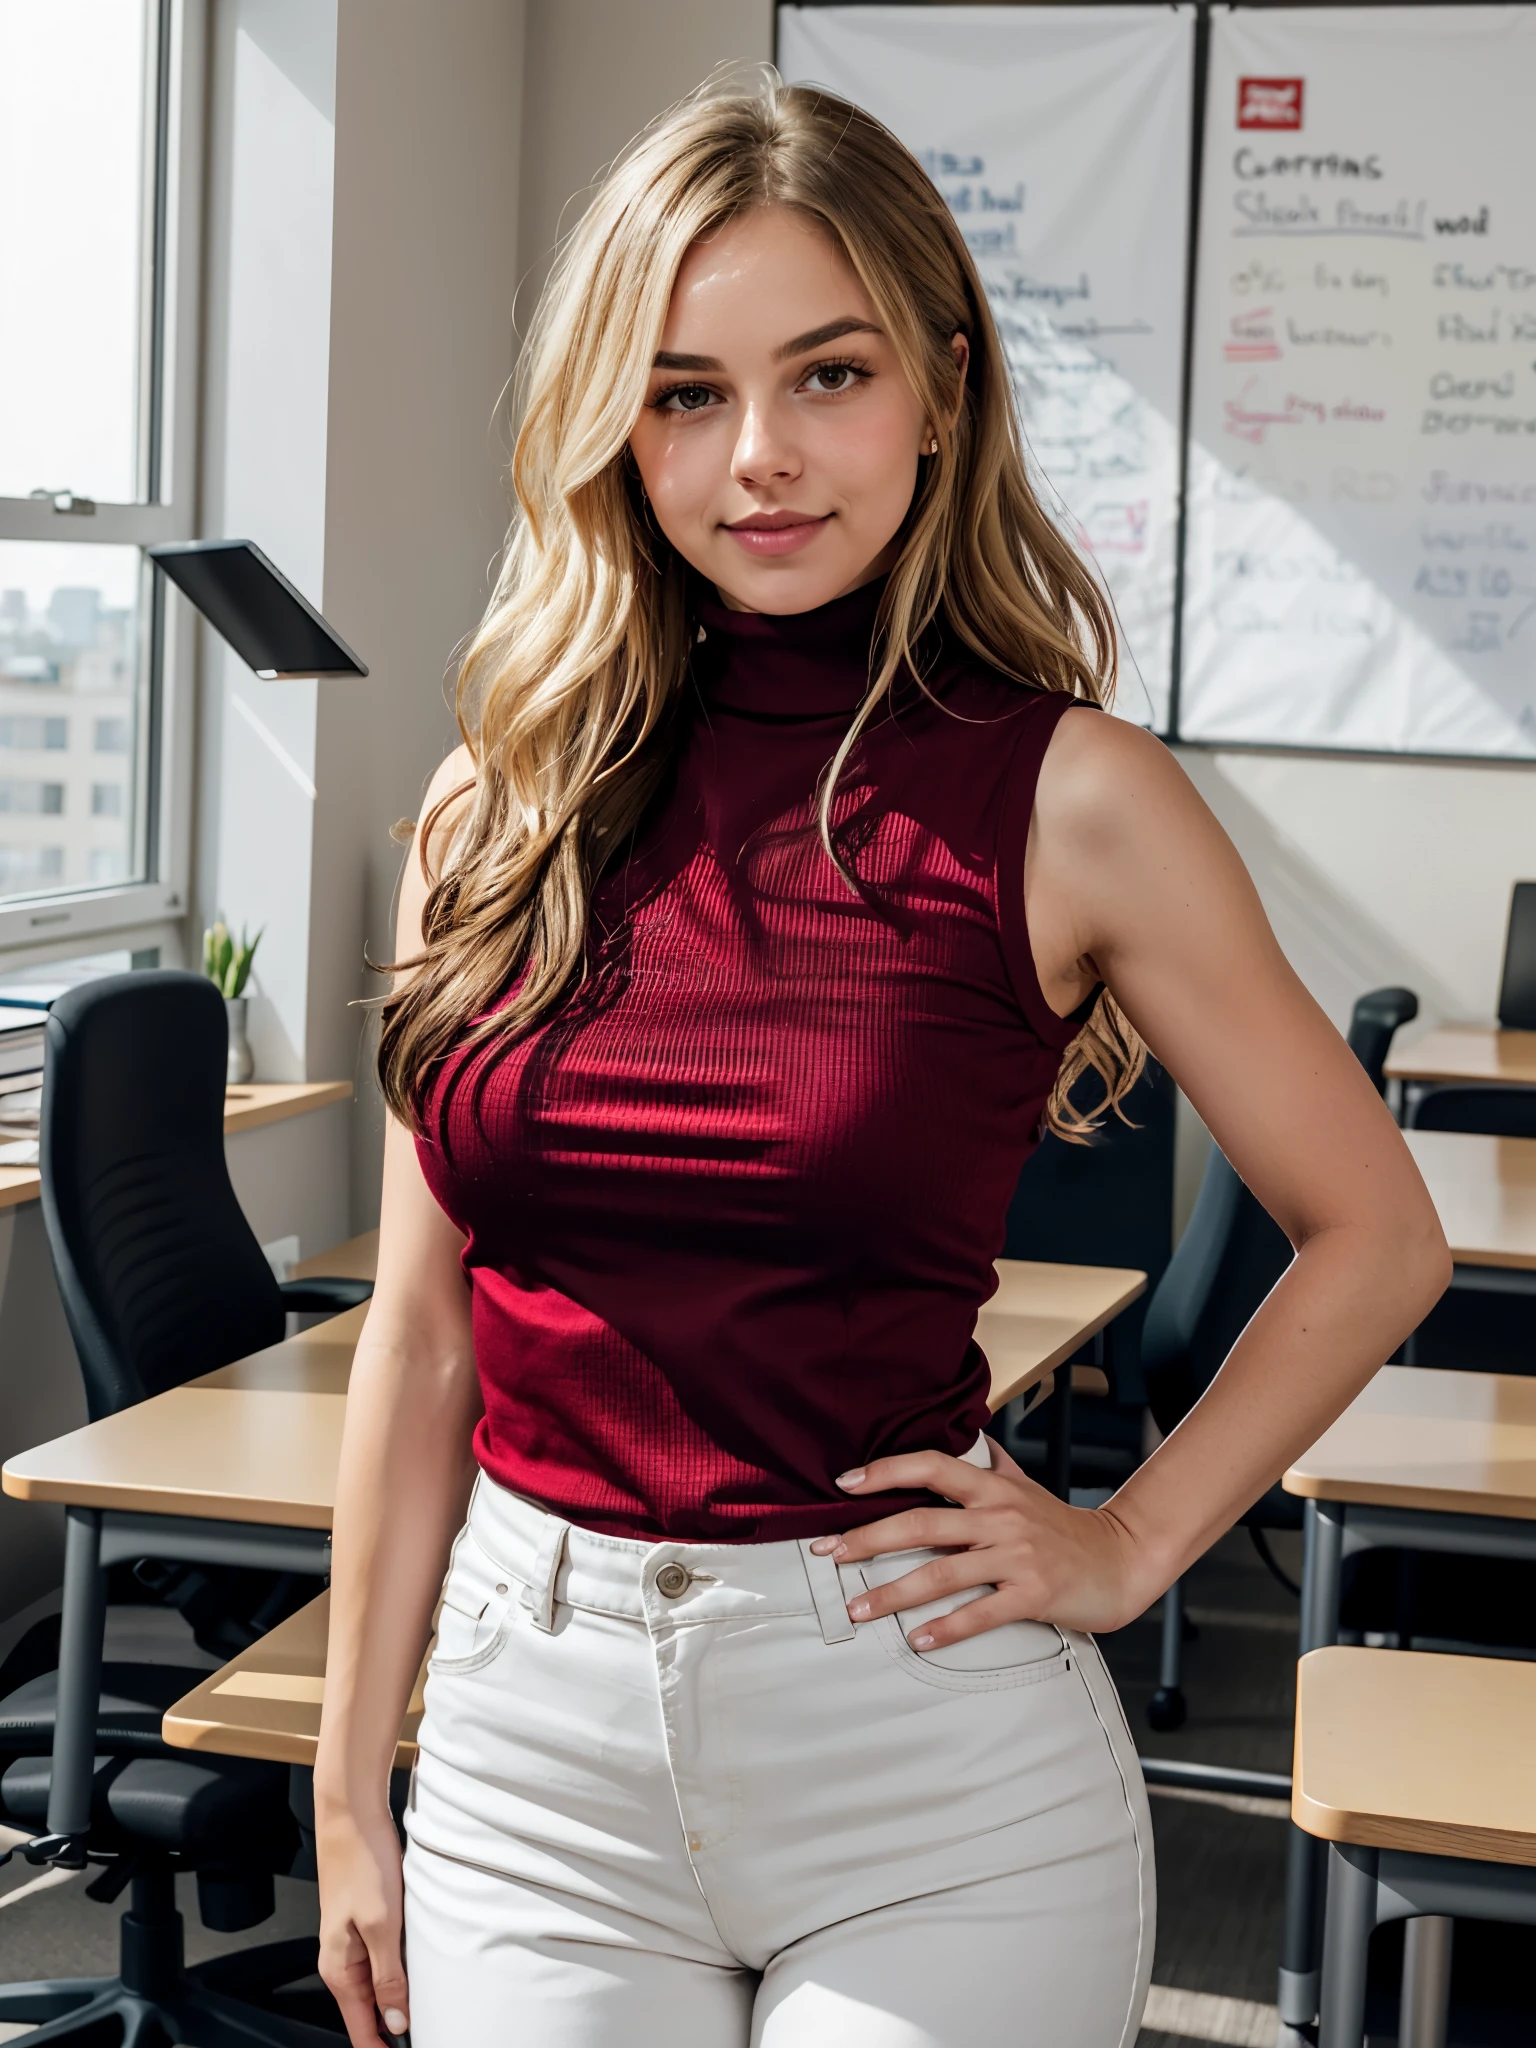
228	965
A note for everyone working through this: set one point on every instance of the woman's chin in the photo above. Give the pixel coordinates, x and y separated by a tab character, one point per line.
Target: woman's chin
792	584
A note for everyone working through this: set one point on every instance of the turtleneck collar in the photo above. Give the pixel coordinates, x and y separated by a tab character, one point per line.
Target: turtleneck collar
792	665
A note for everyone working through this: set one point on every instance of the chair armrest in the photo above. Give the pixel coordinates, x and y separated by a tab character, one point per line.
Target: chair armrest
319	1295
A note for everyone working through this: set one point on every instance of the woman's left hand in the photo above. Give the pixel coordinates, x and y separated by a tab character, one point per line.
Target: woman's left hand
1078	1567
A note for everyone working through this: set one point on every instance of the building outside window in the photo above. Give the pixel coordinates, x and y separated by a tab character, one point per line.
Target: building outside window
100	178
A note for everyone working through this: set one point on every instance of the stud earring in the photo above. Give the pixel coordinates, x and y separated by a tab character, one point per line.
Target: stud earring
933	446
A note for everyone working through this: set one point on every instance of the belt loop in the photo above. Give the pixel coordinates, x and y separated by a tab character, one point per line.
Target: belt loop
827	1594
539	1595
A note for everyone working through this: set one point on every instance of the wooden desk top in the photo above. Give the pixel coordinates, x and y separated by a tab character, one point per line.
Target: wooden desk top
1459	1443
1484	1191
246	1107
258	1441
1409	1750
1467	1052
266	1702
357	1259
1041	1313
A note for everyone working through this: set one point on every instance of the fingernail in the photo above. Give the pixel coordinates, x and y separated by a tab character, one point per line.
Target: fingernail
921	1642
858	1610
854	1478
395	2019
825	1545
841	1550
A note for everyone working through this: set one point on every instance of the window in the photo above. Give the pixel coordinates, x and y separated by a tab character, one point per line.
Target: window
99	108
26	735
45	799
22	867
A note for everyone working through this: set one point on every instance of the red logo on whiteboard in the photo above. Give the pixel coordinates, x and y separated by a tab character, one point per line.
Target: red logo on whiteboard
1269	102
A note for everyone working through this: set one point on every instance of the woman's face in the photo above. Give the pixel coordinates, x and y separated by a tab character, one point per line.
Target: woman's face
780	438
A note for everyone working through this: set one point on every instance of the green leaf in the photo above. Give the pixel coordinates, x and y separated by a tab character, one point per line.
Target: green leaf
240	967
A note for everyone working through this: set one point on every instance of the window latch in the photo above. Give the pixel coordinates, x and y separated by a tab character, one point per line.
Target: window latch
69	502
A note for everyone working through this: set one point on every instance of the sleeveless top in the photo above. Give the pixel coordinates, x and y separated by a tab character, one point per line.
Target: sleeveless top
732	1210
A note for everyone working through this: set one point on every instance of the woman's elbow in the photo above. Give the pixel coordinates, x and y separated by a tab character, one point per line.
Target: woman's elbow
1424	1261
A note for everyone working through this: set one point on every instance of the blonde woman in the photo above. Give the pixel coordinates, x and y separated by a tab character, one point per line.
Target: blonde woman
786	879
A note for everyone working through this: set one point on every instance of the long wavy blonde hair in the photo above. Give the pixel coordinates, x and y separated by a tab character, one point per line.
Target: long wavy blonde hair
566	690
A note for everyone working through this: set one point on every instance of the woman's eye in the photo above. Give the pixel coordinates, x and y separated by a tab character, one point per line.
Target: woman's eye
686	398
833	377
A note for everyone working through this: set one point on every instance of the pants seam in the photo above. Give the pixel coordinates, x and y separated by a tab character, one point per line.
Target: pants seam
1132	2015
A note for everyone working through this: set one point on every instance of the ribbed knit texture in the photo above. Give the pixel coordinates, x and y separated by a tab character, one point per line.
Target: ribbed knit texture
731	1213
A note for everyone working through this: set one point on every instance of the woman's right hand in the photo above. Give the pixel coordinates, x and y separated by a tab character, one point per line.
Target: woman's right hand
362	1908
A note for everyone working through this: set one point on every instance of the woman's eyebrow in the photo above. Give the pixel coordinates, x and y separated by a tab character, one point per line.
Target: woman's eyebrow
834	330
818	337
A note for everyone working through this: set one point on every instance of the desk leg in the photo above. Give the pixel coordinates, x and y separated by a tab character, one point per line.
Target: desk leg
1426	2000
1306	1869
1058	1436
82	1629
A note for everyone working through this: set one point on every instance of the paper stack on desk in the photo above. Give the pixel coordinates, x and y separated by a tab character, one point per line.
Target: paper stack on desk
21	1082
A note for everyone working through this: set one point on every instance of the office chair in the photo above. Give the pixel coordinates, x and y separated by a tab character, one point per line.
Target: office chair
161	1280
160	1274
1106	1203
1230	1256
1373	1023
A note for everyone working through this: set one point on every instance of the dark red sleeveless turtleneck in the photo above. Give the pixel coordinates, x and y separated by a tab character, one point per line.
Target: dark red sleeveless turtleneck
732	1212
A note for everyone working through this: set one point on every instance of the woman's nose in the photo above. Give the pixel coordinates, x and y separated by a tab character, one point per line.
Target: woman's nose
763	454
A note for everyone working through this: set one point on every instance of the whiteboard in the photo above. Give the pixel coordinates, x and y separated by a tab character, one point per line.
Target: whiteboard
1361	563
1060	138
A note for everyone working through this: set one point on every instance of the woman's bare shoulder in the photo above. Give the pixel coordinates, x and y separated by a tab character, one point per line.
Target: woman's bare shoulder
449	796
1105	782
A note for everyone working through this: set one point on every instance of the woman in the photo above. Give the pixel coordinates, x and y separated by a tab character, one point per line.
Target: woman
771	902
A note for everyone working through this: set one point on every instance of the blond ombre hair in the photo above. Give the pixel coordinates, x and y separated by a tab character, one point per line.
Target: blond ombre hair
566	691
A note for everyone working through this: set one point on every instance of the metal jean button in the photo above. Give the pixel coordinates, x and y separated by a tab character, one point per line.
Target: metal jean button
672	1580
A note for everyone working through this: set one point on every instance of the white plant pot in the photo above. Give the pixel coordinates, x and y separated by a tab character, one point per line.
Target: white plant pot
242	1061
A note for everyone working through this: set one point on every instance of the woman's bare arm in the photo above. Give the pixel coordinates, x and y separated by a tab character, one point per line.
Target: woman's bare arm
406	1471
1129	879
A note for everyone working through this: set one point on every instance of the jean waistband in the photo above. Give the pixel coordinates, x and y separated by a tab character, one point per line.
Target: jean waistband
556	1564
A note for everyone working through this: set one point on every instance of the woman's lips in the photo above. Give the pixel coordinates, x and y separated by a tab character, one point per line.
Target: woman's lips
781	539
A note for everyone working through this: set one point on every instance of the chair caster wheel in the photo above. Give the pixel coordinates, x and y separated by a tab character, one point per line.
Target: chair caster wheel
1167	1709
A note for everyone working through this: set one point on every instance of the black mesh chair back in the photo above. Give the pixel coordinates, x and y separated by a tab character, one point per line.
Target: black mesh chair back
1517	989
1230	1256
1373	1021
1106	1203
159	1272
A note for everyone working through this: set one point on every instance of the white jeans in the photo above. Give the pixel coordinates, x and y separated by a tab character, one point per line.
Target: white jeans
670	1797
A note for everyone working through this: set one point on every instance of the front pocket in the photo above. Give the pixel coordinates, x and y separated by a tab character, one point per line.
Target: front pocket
476	1612
1013	1654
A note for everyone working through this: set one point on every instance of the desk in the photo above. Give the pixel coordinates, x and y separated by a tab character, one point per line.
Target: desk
1484	1192
266	1702
1467	1052
258	1441
357	1259
1042	1313
246	1108
1420	1460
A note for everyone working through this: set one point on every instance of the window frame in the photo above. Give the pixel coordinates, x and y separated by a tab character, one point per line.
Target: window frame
58	920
